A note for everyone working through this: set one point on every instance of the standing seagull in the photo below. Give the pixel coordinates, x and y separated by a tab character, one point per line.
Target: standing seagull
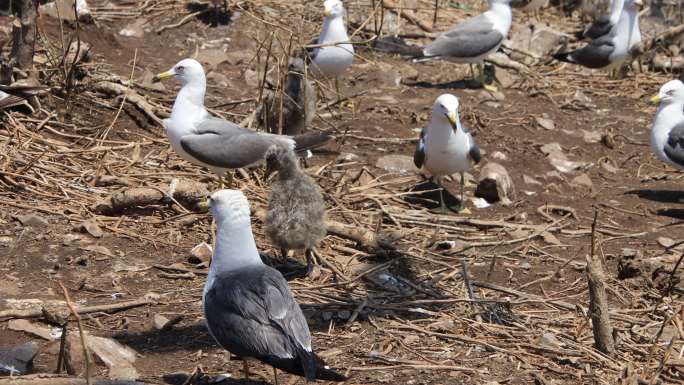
298	102
337	53
611	49
296	211
445	146
474	39
211	142
667	132
249	308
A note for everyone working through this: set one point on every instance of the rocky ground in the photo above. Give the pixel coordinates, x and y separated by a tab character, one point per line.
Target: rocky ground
389	304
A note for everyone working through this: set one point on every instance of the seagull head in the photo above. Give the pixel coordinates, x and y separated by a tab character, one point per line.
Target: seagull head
229	205
333	8
670	92
446	109
186	70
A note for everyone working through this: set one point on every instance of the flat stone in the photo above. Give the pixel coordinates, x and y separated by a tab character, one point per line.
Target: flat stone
17	360
91	227
32	220
33	328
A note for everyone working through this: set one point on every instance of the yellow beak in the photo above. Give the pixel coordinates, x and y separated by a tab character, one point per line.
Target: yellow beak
453	119
203	206
163	76
327	13
655	99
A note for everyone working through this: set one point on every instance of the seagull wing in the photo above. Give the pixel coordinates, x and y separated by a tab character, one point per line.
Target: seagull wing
674	148
473	149
224	144
419	154
252	313
471	38
596	54
601	26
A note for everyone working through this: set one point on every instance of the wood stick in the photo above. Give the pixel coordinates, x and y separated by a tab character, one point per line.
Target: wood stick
598	300
86	354
646	45
46	379
108	308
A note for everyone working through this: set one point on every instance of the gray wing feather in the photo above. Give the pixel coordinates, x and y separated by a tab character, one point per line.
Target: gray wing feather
596	54
224	144
471	38
252	313
601	26
674	148
474	151
419	154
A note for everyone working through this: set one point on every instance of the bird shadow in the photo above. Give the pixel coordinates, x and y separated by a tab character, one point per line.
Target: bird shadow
428	195
664	196
204	379
211	15
671	213
466	83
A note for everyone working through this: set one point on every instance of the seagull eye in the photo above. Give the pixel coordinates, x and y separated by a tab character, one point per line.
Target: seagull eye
670	92
180	69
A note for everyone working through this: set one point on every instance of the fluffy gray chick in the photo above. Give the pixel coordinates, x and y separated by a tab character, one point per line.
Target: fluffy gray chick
299	102
296	211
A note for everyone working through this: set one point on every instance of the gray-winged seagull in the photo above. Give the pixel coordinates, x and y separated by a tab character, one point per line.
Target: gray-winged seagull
667	132
249	308
473	40
445	146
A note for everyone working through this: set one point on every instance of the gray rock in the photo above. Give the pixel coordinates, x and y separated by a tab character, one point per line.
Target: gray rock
160	322
545	122
91	227
17	360
118	358
495	184
400	164
33	328
32	220
582	182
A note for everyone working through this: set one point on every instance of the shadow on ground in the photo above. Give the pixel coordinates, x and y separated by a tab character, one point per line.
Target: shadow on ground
664	196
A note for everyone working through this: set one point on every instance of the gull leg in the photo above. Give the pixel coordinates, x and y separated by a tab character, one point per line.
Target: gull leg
486	86
245	369
442	209
461	204
472	71
283	254
275	375
310	262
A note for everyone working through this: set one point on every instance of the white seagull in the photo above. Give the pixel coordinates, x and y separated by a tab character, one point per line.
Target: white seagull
667	132
612	49
212	142
249	308
336	53
473	40
445	146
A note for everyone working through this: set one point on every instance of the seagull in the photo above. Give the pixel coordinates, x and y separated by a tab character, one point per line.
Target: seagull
474	39
604	23
295	219
445	146
335	54
612	49
211	142
249	308
296	104
667	131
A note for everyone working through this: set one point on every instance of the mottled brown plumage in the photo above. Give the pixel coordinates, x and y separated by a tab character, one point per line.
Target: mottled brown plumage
296	211
298	103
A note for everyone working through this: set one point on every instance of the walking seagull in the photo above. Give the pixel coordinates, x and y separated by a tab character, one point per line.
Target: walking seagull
336	53
249	308
474	39
612	49
296	210
667	132
211	142
445	146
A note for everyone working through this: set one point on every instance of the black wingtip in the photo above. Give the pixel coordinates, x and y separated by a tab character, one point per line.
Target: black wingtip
563	56
326	374
312	140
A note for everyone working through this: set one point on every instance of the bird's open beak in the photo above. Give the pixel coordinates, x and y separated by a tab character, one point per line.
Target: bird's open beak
163	76
655	99
453	119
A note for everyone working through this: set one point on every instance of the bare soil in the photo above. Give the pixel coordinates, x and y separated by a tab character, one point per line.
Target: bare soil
426	332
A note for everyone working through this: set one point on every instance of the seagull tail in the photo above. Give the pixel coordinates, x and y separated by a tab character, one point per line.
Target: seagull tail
396	45
311	141
564	56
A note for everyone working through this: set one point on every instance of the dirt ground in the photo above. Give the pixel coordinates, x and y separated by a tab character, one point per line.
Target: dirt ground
411	324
